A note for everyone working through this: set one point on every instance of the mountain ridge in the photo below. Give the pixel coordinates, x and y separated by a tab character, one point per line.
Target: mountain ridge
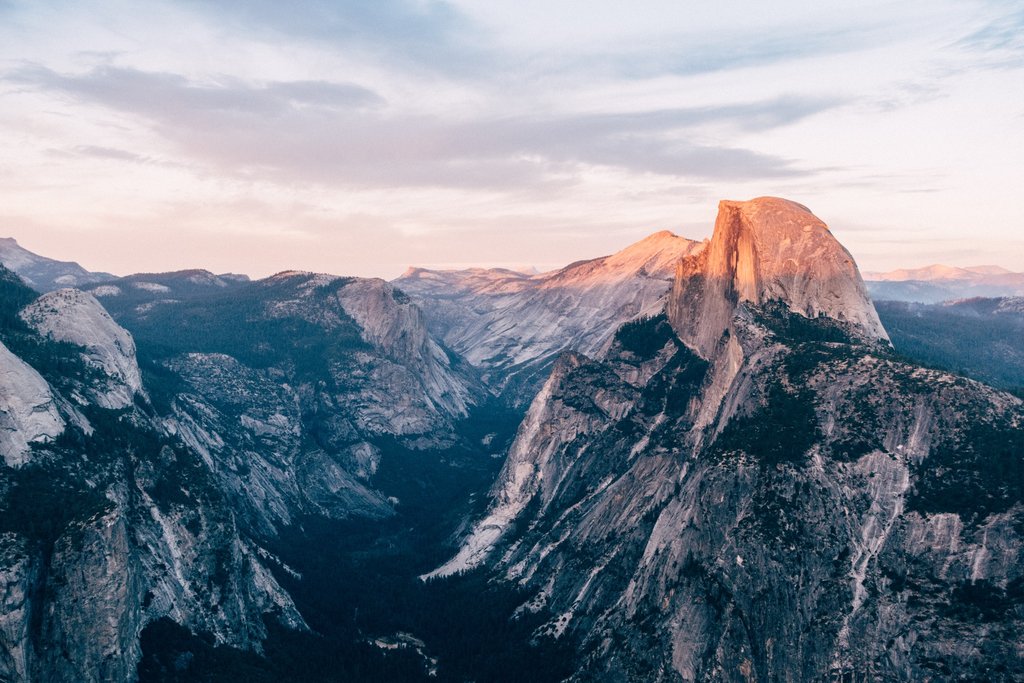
939	271
511	326
739	420
44	273
937	283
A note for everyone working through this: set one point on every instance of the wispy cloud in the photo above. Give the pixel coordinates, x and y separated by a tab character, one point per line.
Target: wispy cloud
423	34
115	154
157	94
690	55
99	152
999	41
336	133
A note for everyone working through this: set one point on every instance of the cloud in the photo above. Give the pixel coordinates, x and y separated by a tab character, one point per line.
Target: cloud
687	55
337	133
98	152
104	153
999	41
426	34
157	94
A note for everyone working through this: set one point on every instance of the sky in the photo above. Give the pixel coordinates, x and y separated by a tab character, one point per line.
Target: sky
362	137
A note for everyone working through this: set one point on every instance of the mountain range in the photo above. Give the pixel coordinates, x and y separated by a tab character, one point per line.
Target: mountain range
687	461
45	274
514	325
937	283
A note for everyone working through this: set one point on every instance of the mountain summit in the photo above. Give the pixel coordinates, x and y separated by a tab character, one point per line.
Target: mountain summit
512	326
45	274
768	250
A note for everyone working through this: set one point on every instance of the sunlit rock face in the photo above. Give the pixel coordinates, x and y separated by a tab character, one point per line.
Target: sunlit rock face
764	250
754	488
513	325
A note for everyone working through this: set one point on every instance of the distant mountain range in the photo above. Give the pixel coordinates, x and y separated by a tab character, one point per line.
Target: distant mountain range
929	284
936	283
45	274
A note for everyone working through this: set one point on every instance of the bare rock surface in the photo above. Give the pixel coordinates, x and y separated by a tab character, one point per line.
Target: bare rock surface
513	325
73	316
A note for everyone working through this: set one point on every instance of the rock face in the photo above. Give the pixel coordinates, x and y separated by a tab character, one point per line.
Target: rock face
765	493
296	383
106	522
17	579
390	323
291	404
512	325
768	250
738	480
72	316
28	411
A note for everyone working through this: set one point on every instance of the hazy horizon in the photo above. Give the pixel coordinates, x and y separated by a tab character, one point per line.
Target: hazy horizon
362	139
523	266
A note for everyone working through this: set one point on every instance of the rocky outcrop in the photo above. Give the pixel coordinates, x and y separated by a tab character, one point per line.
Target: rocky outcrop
17	580
256	434
758	490
113	524
291	421
72	316
92	613
28	410
265	404
394	325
